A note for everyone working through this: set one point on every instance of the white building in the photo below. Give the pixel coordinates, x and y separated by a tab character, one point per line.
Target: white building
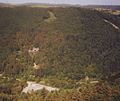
32	86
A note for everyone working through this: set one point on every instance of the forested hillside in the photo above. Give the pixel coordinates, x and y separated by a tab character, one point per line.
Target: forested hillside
60	47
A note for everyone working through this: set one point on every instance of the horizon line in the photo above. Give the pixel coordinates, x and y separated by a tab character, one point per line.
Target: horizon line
18	3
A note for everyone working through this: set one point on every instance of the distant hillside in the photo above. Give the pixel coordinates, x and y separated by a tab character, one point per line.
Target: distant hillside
45	5
6	5
112	7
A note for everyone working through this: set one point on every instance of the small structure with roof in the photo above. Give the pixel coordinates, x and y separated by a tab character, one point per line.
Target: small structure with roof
33	50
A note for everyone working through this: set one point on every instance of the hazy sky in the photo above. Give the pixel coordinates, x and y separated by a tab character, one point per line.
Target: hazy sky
82	2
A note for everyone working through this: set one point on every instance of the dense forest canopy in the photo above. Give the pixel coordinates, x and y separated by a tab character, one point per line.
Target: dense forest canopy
60	46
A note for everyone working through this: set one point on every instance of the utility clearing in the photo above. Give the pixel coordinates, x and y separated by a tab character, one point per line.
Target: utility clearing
116	27
51	18
33	86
